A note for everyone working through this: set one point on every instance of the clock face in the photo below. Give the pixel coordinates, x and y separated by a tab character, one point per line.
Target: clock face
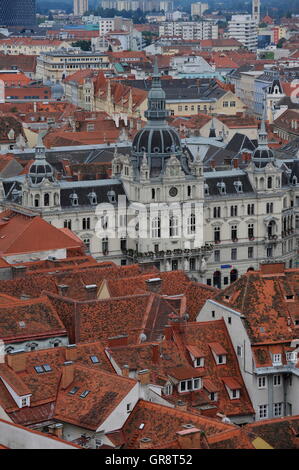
173	191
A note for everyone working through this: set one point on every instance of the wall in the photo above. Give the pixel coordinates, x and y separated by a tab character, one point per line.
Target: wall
17	437
40	255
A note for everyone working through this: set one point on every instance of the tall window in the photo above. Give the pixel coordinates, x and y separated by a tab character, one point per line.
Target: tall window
269	207
87	243
191	224
269	182
250	231
277	409
46	199
234	254
67	224
234	232
217	212
156	227
86	223
250	209
233	211
250	252
217	234
105	247
217	256
173	226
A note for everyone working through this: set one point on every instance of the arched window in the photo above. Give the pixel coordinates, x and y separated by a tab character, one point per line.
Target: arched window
156	227
46	199
36	200
153	193
270	229
250	231
173	226
233	275
217	279
269	182
217	234
191	224
105	247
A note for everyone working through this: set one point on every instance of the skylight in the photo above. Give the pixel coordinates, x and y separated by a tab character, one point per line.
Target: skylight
73	391
84	394
39	369
94	359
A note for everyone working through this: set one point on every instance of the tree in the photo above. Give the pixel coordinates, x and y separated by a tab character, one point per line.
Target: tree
84	45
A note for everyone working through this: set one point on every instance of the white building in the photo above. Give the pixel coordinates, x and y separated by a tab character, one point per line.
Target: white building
190	30
244	29
80	7
256	11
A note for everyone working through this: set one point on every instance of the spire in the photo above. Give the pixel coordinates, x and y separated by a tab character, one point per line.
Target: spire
40	149
262	134
156	109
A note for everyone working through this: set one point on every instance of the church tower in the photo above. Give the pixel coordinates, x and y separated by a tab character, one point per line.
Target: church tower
256	11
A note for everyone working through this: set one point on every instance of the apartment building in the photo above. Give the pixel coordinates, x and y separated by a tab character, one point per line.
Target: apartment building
244	29
190	30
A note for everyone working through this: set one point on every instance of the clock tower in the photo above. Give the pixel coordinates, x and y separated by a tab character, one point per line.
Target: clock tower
163	180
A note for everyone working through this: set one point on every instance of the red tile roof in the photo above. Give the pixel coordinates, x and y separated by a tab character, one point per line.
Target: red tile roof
25	234
261	297
106	392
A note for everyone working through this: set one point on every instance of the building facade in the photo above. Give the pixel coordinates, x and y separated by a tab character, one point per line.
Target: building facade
190	30
244	29
233	219
80	7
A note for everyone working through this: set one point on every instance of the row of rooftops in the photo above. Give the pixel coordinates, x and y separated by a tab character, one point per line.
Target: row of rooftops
194	366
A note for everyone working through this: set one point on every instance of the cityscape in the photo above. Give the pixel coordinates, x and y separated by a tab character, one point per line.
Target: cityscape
149	227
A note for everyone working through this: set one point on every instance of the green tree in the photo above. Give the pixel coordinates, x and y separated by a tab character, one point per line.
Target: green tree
84	45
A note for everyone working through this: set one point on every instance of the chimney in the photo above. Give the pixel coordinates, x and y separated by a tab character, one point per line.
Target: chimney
67	374
62	289
145	443
18	271
155	353
181	405
154	284
235	163
144	376
125	370
91	290
168	332
116	341
17	360
71	352
56	430
272	268
190	438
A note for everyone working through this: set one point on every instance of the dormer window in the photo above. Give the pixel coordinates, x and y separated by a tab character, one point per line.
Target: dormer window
238	186
111	196
74	199
222	187
233	387
219	353
92	198
189	385
291	356
207	191
276	360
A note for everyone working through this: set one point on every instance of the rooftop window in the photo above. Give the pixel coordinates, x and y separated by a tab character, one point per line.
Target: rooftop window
84	394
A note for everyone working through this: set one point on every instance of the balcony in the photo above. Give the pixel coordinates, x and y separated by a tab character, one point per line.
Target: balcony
205	250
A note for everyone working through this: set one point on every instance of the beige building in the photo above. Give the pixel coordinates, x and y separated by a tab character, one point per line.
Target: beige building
30	46
55	66
197	9
227	104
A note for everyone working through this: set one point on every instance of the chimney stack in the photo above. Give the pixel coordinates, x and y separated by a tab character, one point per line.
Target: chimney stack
155	353
62	289
116	341
67	374
91	290
154	285
144	376
17	360
235	163
190	438
71	352
168	332
181	405
125	370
